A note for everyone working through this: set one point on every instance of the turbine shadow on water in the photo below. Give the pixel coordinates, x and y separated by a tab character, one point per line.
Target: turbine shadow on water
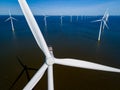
25	69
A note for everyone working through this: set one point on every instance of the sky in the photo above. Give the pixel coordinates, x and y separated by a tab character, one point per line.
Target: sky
62	7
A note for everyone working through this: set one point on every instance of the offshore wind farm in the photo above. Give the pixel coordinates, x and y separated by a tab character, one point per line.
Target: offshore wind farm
75	34
70	36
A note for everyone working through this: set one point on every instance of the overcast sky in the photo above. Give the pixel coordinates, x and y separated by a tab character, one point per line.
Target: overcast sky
63	7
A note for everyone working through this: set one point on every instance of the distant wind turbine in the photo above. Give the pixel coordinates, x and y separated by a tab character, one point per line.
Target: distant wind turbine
61	19
77	18
50	60
103	23
45	20
71	18
11	20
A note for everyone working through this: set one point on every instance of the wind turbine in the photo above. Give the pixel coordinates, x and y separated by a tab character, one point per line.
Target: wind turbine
11	20
61	19
45	20
103	23
71	18
77	18
50	60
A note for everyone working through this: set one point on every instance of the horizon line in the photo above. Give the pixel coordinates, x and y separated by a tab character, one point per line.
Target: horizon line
52	15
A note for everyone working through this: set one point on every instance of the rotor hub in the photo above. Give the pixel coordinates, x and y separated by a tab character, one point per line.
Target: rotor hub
50	61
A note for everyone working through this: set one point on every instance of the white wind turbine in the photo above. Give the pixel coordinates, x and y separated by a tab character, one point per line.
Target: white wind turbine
71	18
61	19
77	18
50	59
11	20
103	23
45	20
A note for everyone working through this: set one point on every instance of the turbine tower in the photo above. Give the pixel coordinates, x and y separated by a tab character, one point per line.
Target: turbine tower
50	59
61	19
77	18
71	18
103	23
11	20
45	20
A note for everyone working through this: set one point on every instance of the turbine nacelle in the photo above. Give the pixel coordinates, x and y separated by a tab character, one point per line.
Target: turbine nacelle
50	61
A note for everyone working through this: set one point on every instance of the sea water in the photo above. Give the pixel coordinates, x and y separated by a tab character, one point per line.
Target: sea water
76	39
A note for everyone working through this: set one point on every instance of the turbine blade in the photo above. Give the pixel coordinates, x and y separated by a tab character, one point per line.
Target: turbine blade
105	24
9	13
34	27
106	11
85	64
36	78
14	18
105	14
50	78
7	19
96	21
